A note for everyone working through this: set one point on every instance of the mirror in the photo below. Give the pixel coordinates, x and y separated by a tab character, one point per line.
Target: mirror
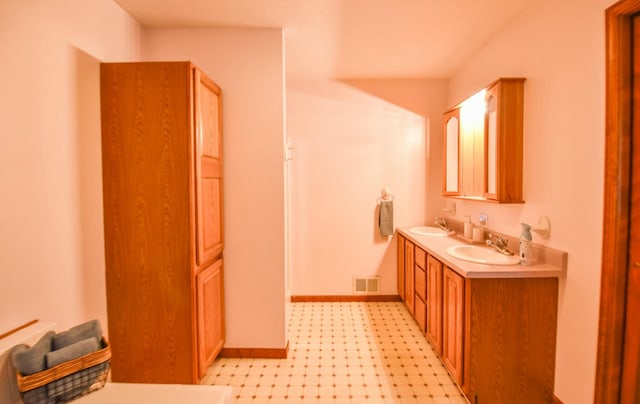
452	152
472	124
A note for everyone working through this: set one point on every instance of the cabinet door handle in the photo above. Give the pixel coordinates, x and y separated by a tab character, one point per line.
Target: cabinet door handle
636	264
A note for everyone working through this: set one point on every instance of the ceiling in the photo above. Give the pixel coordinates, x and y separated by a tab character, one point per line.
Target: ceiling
351	38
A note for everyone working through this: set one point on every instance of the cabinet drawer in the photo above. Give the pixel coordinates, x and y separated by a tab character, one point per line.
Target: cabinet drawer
421	258
421	283
420	313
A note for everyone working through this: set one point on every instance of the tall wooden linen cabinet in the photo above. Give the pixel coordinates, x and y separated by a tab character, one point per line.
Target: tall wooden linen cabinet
163	220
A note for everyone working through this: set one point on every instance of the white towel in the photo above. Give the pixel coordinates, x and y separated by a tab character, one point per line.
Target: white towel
385	218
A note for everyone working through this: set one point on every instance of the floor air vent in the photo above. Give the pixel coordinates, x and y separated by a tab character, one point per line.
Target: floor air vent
366	285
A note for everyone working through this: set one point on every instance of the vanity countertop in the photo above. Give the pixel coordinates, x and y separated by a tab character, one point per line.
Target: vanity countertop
437	247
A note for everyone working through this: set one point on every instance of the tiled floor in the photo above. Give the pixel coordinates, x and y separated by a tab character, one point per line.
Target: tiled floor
344	353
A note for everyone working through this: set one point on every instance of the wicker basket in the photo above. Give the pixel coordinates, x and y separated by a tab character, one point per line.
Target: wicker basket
68	380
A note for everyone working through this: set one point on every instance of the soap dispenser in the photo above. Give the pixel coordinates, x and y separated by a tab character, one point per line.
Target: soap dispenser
525	245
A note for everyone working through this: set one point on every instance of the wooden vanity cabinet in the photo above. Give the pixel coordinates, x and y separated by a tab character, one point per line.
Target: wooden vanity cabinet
163	204
495	336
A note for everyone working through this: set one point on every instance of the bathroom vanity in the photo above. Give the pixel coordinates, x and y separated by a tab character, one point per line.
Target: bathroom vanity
493	326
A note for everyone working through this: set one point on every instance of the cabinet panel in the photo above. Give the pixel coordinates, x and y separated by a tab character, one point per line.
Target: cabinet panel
511	340
401	243
434	303
453	323
210	311
409	275
147	214
208	169
420	283
420	313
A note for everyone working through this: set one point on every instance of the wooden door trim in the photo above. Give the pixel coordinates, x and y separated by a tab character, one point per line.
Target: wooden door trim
616	200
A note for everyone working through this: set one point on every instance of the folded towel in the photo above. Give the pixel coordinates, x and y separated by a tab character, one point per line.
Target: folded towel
32	360
385	218
29	360
78	333
72	351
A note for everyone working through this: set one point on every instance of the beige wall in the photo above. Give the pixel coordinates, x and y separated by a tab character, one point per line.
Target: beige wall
51	243
559	47
248	65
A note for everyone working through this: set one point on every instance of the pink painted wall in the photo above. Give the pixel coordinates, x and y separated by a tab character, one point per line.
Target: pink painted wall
248	65
349	145
51	243
559	47
427	98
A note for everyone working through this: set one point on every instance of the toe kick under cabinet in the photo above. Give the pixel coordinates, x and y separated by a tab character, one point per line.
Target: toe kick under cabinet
495	336
162	190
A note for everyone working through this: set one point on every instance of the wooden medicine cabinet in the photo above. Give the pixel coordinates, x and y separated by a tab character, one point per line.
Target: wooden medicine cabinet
483	144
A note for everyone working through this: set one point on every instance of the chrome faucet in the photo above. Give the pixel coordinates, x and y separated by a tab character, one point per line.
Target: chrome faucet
441	222
499	244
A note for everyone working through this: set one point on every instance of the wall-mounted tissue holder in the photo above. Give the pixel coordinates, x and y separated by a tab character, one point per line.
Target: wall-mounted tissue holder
544	227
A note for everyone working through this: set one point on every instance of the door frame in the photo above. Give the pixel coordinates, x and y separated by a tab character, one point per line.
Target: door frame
617	197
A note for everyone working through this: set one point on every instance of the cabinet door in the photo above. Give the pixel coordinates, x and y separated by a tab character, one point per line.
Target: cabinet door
210	311
208	170
434	303
420	313
401	241
420	279
453	323
503	140
408	275
491	143
420	287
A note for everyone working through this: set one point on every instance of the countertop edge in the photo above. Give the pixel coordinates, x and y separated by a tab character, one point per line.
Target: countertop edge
437	246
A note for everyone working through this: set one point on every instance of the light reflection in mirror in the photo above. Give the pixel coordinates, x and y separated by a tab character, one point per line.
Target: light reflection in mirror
472	112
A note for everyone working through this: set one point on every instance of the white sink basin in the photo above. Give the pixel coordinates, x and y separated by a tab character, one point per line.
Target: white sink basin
430	231
482	255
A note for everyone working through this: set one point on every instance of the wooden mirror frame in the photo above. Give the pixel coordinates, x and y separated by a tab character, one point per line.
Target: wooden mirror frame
451	171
